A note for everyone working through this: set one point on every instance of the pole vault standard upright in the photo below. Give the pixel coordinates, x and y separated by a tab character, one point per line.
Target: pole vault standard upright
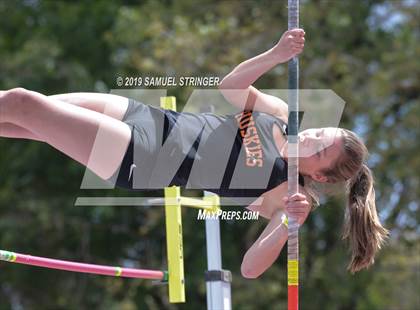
217	279
293	166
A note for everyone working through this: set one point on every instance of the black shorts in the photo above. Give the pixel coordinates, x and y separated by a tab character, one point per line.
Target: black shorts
154	158
145	123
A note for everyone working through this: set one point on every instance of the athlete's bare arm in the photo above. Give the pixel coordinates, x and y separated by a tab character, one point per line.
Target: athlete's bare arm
265	250
237	87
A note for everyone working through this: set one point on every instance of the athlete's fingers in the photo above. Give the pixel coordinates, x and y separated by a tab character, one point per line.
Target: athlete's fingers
298	45
296	32
299	40
294	197
297	209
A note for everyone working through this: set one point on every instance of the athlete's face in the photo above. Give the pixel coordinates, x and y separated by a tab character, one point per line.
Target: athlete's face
318	149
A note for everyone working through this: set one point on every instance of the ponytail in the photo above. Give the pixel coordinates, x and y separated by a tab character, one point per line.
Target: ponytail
362	227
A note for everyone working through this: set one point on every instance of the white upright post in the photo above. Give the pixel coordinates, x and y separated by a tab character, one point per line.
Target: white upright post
217	280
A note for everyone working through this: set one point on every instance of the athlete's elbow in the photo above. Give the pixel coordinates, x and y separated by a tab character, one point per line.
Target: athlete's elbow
248	271
223	84
227	83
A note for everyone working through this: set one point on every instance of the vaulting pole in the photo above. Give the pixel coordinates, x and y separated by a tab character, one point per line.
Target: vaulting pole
293	165
81	267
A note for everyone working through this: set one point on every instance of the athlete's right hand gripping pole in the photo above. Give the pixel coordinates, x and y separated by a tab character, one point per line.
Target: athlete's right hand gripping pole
293	166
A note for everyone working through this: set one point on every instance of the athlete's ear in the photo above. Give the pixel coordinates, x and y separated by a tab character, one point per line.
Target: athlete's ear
319	177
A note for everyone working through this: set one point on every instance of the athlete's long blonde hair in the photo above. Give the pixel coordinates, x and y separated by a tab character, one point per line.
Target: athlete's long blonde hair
362	227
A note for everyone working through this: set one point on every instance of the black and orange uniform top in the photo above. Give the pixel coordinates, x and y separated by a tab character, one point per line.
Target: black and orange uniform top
233	155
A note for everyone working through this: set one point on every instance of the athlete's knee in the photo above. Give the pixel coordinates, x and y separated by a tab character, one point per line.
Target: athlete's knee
17	95
17	91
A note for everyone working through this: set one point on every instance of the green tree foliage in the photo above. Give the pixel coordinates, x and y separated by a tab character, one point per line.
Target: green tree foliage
366	51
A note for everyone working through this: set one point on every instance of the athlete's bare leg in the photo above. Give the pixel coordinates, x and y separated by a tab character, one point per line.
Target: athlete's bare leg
111	105
95	140
9	130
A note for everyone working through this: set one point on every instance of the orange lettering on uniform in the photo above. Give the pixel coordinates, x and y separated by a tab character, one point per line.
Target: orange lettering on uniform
257	154
246	124
254	148
251	162
251	139
251	131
